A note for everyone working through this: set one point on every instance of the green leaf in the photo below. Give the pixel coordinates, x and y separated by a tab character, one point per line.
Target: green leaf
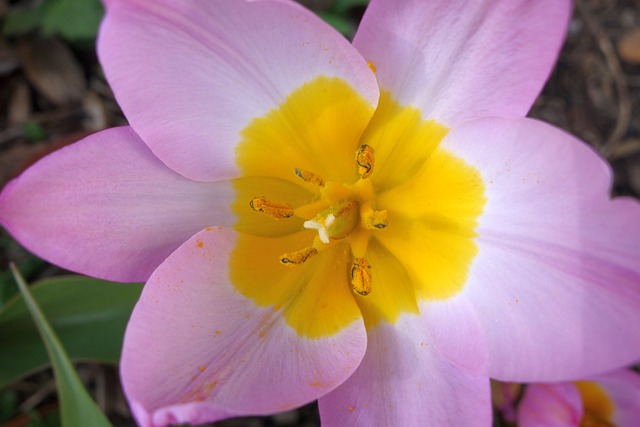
76	406
89	315
33	131
8	404
341	7
23	21
343	25
28	266
73	19
51	419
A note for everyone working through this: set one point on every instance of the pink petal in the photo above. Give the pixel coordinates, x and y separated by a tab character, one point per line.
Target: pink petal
191	75
623	388
556	283
197	350
550	405
460	60
107	207
456	332
404	381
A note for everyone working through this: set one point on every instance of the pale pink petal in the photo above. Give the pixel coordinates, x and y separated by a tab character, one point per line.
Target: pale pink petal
191	75
404	381
463	59
107	207
550	405
556	283
623	388
456	332
197	350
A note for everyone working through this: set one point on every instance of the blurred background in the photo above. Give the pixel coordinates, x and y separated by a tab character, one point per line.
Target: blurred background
53	92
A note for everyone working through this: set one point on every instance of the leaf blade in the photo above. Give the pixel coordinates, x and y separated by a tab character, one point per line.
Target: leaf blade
77	407
80	309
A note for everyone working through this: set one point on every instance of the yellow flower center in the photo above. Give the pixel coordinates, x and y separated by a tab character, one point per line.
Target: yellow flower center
350	213
345	212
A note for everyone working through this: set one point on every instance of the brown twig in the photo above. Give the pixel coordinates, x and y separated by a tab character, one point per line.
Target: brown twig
619	78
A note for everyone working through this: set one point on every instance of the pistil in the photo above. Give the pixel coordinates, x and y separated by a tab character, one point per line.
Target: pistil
336	222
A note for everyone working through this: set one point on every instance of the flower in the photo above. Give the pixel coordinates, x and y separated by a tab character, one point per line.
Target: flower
374	225
611	399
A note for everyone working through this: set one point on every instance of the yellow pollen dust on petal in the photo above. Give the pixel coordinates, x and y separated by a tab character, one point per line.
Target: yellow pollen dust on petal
598	406
372	66
375	216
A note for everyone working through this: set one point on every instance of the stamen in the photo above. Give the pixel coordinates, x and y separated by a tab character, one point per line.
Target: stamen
298	257
365	160
361	276
375	219
310	177
275	210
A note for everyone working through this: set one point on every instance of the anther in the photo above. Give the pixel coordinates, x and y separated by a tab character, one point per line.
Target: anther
273	209
298	257
365	160
310	177
375	219
361	276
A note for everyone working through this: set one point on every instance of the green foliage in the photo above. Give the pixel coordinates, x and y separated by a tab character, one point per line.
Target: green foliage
8	404
341	7
33	131
339	15
22	21
76	406
346	27
89	315
28	267
52	419
73	20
